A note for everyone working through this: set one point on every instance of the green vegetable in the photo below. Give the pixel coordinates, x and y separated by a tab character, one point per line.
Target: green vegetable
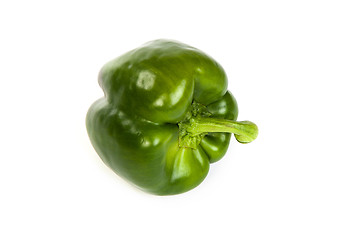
166	115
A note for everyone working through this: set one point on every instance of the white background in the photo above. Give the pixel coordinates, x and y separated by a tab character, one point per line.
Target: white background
293	66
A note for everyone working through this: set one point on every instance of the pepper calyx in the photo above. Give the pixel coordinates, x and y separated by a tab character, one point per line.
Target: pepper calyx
198	124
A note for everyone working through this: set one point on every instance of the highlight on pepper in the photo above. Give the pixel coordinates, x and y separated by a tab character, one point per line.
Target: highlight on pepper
166	115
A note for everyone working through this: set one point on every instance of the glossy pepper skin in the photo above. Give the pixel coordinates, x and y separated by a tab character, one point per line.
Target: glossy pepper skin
166	115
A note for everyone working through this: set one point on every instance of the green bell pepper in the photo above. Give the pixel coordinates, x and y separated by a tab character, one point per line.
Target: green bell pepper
166	115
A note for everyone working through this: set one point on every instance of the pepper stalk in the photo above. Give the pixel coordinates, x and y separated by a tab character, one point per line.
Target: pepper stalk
192	131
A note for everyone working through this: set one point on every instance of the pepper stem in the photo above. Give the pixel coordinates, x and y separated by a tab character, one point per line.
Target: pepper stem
244	131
